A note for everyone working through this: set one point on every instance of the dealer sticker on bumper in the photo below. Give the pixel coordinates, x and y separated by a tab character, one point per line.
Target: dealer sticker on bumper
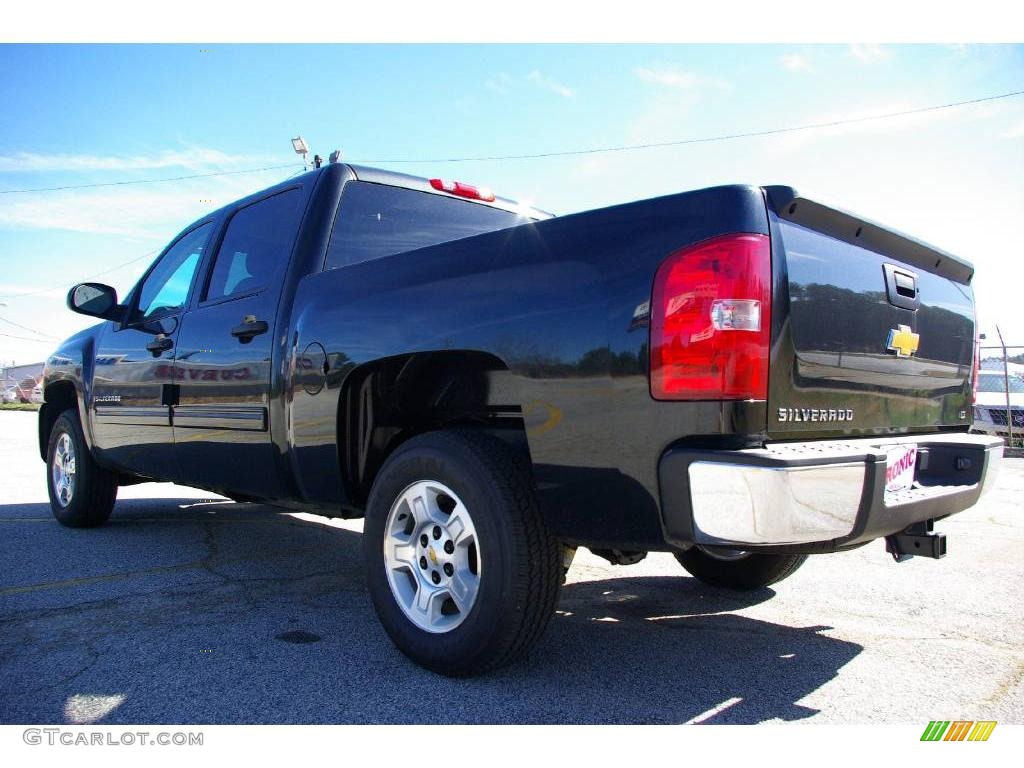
899	469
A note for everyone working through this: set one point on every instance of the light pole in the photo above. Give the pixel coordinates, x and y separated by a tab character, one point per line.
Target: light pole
301	148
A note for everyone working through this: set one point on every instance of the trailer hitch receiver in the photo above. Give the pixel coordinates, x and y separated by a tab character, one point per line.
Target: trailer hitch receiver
917	539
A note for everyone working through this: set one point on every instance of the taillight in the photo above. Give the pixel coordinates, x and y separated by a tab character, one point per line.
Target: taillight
711	321
976	366
463	190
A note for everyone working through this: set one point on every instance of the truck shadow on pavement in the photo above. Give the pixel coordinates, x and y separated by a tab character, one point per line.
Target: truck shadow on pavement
184	611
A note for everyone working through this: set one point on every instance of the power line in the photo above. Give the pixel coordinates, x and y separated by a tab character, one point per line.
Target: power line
23	338
145	181
121	265
563	153
26	328
84	279
706	139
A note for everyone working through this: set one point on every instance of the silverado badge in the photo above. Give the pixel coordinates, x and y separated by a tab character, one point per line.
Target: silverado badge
903	341
814	414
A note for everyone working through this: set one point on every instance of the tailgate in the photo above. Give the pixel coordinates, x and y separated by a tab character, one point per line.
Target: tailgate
876	335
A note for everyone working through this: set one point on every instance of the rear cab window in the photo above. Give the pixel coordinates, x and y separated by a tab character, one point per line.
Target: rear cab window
377	220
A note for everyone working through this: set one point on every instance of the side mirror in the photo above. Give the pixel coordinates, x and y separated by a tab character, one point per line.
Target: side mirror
94	299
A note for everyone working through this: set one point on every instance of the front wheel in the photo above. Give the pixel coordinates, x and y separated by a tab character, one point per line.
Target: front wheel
462	571
736	569
82	493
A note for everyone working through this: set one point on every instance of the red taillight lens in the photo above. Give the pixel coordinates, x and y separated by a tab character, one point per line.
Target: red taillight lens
711	321
976	366
463	190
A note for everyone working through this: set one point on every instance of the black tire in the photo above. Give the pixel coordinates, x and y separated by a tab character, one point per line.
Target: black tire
750	572
95	488
521	565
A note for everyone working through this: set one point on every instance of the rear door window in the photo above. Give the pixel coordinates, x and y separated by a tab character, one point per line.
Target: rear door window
377	220
256	246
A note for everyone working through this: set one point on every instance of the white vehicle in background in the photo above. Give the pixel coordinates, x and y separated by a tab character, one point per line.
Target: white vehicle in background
9	395
990	415
37	395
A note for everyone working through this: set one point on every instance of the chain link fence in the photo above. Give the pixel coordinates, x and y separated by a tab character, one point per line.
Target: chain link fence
999	403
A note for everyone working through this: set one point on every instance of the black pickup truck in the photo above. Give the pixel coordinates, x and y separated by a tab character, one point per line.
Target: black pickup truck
738	375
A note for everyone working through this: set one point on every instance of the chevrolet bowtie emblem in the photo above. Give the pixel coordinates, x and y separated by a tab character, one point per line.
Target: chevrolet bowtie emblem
903	341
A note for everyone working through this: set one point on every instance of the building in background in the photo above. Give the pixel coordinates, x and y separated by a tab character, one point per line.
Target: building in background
18	382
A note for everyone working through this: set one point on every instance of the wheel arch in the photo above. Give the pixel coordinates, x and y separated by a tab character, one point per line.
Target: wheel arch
58	396
67	381
386	402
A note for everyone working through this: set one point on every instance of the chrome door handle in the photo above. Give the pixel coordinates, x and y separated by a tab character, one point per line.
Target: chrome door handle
159	345
249	328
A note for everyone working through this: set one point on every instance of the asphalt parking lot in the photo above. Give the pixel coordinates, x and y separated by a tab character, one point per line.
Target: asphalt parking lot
187	608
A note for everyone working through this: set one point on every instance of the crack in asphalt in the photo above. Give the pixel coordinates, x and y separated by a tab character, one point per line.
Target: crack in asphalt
1015	678
94	657
206	563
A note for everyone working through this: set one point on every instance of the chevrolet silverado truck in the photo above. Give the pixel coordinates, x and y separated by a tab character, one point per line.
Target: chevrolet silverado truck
740	376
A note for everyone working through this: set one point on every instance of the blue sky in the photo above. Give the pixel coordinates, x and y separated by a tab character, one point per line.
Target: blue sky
93	114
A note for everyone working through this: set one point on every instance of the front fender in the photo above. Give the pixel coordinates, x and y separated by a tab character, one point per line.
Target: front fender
72	364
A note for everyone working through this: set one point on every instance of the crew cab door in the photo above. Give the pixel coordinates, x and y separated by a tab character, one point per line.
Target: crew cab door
221	414
134	363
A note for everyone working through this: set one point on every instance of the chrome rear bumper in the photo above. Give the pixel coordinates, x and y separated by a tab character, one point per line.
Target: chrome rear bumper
818	496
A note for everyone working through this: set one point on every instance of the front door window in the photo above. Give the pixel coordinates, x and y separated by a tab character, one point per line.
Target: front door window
165	289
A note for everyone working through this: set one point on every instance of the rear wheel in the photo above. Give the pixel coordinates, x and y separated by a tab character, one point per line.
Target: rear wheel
737	569
82	493
461	569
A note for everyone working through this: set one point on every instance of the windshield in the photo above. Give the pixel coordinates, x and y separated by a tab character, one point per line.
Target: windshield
988	382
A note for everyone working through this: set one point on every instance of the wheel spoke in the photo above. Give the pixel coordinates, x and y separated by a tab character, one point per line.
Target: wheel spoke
461	530
462	589
418	504
404	554
428	603
433	509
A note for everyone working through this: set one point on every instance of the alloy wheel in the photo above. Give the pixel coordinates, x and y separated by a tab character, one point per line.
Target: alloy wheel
431	555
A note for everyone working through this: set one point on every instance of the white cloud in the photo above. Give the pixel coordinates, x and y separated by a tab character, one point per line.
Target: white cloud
120	226
670	77
9	290
1015	132
139	211
887	119
855	121
192	158
869	52
536	76
92	213
504	84
795	62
